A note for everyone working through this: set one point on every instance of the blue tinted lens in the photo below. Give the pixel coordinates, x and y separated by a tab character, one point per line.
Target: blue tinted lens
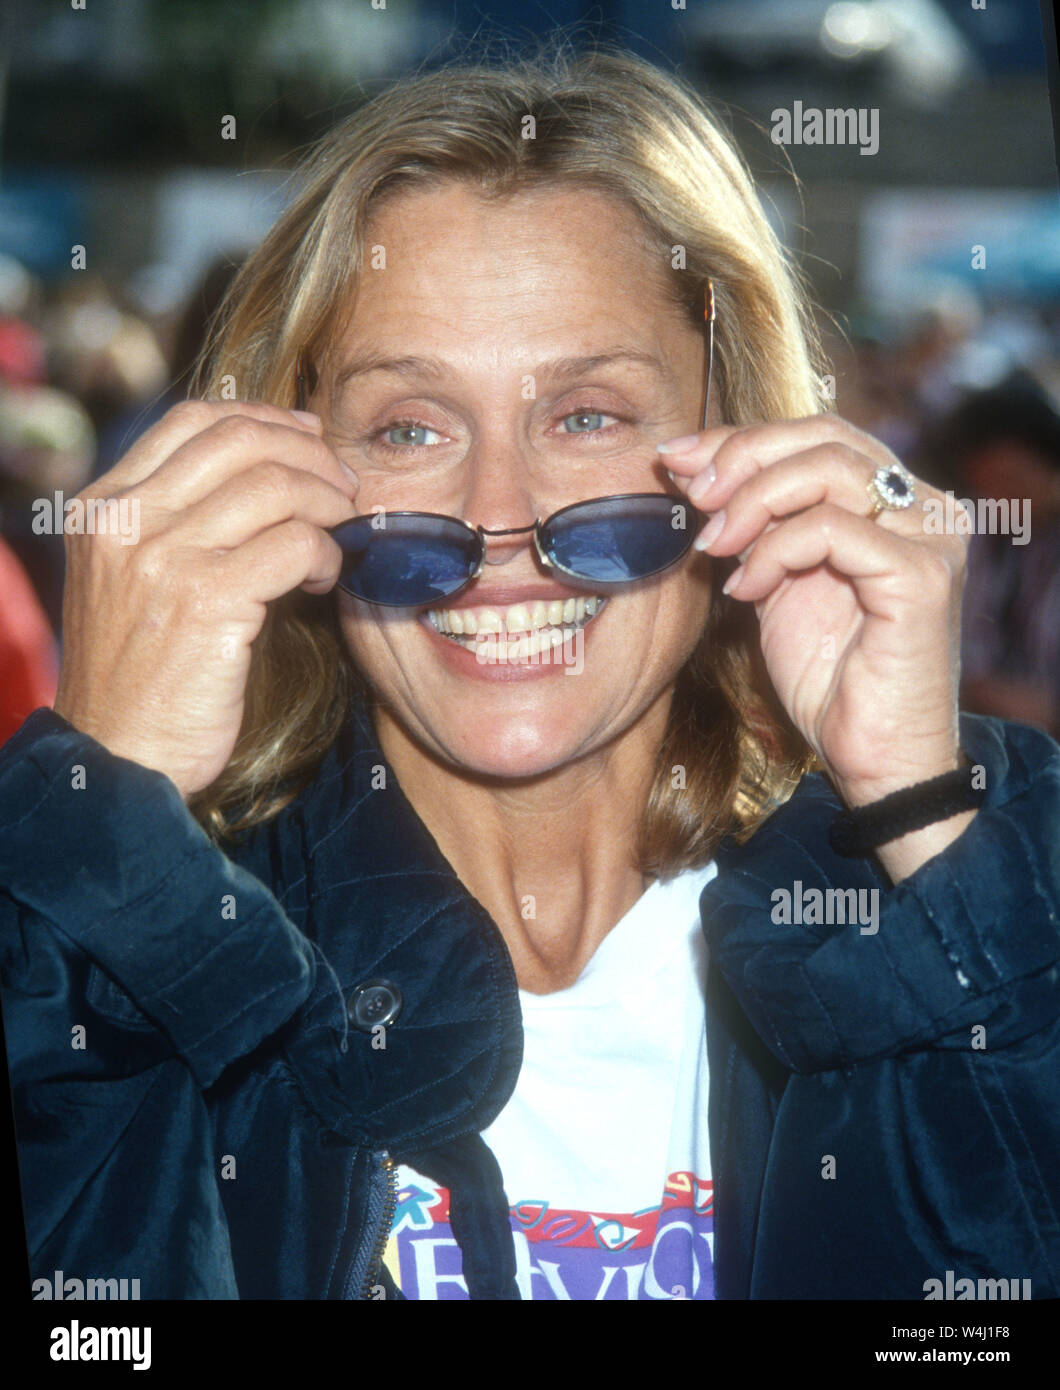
612	540
405	559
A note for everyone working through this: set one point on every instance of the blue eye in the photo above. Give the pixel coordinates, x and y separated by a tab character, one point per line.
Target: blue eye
407	428
596	415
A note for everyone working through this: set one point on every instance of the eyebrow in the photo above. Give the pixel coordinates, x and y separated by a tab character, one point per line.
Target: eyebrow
560	368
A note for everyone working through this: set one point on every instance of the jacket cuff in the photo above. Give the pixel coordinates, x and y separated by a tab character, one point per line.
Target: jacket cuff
970	937
993	896
106	850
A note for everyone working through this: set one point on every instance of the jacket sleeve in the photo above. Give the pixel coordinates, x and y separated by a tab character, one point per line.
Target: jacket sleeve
972	938
923	1057
137	963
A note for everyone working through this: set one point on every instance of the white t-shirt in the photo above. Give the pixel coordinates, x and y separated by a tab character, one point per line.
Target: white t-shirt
603	1144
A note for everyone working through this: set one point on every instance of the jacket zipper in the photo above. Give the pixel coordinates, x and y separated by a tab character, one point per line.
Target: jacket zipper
385	1175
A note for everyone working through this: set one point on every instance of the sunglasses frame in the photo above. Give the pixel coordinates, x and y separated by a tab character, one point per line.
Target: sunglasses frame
479	533
305	384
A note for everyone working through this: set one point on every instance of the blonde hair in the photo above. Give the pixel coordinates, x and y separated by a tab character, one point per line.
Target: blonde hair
610	121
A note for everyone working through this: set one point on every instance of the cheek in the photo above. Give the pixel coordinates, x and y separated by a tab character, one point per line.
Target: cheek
686	604
658	632
687	611
374	644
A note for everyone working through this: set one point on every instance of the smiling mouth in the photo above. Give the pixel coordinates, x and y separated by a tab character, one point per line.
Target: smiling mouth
526	629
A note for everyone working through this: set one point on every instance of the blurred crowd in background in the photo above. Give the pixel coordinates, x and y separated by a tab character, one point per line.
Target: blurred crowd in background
939	285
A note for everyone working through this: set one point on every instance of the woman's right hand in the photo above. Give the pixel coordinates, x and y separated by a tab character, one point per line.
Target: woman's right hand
233	502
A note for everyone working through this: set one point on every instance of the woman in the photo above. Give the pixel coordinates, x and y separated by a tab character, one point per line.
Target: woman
298	1066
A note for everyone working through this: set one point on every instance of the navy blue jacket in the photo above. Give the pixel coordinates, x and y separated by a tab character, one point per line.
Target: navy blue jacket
195	1108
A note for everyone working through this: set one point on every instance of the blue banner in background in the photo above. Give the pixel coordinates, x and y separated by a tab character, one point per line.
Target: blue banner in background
41	217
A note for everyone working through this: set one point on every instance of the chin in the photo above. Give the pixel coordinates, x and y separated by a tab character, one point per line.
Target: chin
516	747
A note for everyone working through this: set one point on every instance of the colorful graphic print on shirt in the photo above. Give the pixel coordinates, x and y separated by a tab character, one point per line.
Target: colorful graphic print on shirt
664	1252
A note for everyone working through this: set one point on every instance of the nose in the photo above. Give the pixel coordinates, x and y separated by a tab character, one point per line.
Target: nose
495	545
499	500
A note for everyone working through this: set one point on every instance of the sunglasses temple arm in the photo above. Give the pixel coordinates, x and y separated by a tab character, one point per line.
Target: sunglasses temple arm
708	319
305	382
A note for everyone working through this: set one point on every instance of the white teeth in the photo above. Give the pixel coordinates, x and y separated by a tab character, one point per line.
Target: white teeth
536	643
517	619
524	628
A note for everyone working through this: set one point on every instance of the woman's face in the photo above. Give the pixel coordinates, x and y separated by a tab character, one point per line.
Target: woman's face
484	416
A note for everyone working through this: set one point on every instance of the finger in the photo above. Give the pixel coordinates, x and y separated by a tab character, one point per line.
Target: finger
890	572
228	447
252	501
695	458
182	423
272	563
831	472
746	451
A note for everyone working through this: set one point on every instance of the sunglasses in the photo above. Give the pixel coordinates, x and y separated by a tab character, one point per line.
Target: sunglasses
412	559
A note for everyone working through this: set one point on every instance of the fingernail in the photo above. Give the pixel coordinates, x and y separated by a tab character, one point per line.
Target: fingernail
350	473
679	446
702	484
732	580
711	531
306	416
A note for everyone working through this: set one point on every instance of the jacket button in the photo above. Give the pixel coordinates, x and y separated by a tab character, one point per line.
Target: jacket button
373	1003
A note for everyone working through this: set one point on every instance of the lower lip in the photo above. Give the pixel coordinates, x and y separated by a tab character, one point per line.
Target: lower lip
465	662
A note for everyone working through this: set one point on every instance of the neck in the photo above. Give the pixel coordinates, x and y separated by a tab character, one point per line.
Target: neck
550	858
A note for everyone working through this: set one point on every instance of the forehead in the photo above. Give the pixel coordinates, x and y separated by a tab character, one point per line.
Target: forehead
450	239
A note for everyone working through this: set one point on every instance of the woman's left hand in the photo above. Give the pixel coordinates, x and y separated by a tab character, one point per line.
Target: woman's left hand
860	618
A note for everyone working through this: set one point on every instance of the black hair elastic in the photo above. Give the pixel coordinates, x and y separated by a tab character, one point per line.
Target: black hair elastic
860	831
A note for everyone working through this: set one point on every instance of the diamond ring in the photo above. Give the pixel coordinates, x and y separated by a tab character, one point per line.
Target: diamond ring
891	489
